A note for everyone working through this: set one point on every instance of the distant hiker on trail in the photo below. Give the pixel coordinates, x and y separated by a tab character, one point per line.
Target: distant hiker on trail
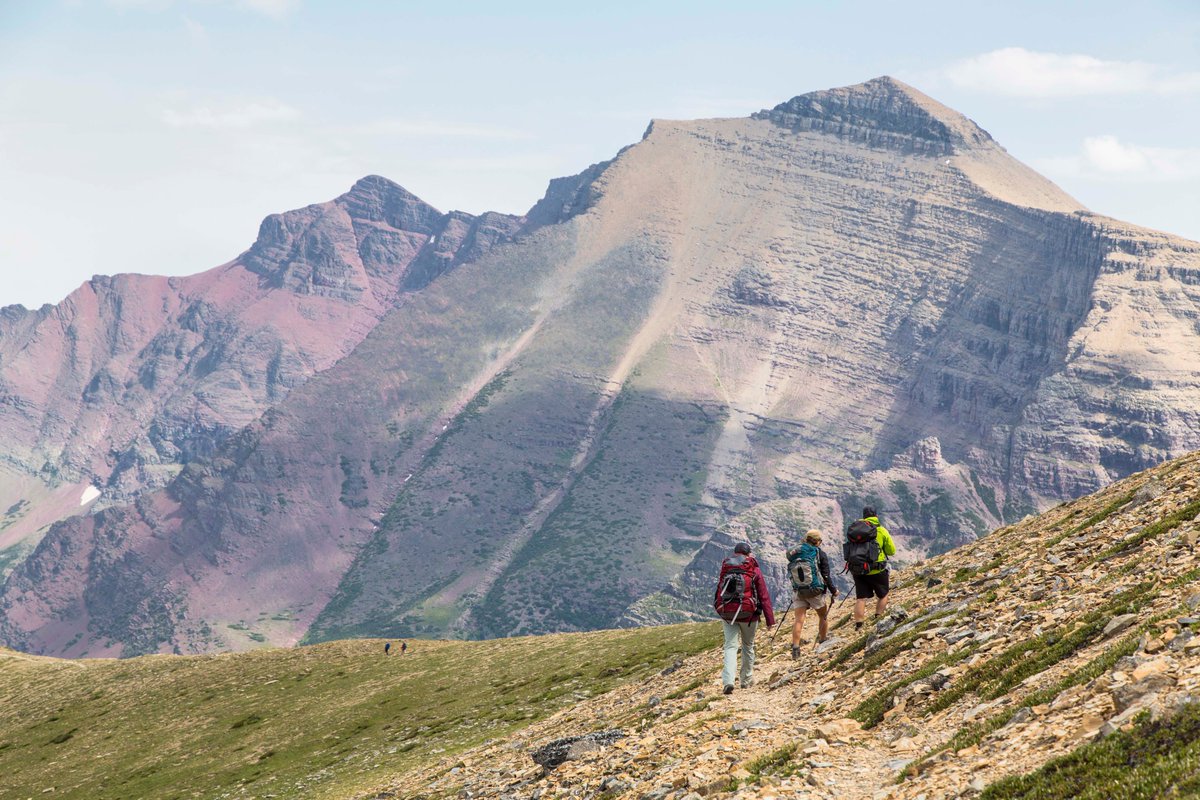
403	648
808	569
868	544
387	648
741	597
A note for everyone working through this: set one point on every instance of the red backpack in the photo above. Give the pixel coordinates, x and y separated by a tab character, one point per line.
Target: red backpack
736	599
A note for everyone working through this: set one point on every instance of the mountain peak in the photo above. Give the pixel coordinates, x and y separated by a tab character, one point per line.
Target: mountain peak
882	112
379	199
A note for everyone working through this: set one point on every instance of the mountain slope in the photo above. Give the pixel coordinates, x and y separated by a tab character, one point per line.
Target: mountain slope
133	376
1047	638
738	327
317	722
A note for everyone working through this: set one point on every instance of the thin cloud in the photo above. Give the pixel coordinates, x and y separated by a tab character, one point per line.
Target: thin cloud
196	32
1018	72
242	115
1107	158
276	9
434	129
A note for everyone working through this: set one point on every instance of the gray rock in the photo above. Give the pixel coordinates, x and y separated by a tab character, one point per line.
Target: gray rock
830	644
654	702
956	636
1130	694
752	725
1149	490
1023	715
553	753
1179	642
1118	624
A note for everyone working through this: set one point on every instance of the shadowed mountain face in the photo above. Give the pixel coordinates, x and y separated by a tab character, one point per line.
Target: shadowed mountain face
736	328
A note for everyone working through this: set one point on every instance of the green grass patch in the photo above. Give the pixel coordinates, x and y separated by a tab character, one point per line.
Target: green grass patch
1002	672
871	710
327	721
1155	759
1165	524
780	762
848	652
687	688
898	644
1099	516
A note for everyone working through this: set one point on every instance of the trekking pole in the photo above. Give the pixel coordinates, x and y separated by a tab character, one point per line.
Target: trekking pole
780	625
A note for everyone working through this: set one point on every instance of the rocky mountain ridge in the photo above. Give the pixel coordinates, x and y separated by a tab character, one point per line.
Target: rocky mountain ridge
1029	645
133	376
736	327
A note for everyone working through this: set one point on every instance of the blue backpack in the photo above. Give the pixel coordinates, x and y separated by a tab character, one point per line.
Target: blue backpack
804	571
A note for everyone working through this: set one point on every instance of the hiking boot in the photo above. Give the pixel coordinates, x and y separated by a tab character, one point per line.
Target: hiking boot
858	626
729	688
795	652
747	684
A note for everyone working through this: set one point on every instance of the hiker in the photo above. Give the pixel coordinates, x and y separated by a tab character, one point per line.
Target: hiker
387	648
403	648
808	568
868	545
740	599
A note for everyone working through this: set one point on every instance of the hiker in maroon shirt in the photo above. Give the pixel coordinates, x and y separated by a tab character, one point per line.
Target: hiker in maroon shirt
741	598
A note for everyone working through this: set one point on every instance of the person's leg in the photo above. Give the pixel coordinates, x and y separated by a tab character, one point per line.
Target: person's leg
798	626
822	623
747	632
732	637
862	590
882	585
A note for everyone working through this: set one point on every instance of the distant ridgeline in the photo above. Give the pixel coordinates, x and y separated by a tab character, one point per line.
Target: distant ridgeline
387	420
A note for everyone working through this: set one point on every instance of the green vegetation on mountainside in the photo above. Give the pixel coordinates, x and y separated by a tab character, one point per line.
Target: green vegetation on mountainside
628	523
323	721
1155	759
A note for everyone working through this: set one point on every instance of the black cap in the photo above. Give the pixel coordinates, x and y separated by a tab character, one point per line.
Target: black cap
868	512
742	548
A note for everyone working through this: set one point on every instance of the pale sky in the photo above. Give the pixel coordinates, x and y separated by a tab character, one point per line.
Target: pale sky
154	135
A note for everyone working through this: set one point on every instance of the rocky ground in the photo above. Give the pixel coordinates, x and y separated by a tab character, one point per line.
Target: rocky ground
994	659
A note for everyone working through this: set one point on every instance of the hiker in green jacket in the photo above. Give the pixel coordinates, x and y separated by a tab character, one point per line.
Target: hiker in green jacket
868	565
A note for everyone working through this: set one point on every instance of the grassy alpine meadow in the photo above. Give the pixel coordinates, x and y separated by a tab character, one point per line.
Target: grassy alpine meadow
324	721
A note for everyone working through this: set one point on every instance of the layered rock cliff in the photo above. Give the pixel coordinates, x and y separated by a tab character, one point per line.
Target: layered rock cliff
737	327
133	376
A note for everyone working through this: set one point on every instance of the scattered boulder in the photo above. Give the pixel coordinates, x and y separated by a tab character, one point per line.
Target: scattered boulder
673	668
838	729
1149	490
556	752
1118	624
1131	694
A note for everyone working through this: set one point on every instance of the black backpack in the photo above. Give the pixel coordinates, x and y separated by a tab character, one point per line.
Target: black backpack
861	549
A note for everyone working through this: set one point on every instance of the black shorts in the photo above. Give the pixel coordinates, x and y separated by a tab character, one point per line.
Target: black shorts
866	586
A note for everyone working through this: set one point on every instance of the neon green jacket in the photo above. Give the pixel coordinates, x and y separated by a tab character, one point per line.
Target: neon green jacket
886	546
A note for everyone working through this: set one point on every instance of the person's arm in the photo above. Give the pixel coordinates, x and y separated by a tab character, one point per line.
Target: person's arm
888	546
823	565
764	597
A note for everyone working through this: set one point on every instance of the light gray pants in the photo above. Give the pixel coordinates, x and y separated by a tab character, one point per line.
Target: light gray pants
738	633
